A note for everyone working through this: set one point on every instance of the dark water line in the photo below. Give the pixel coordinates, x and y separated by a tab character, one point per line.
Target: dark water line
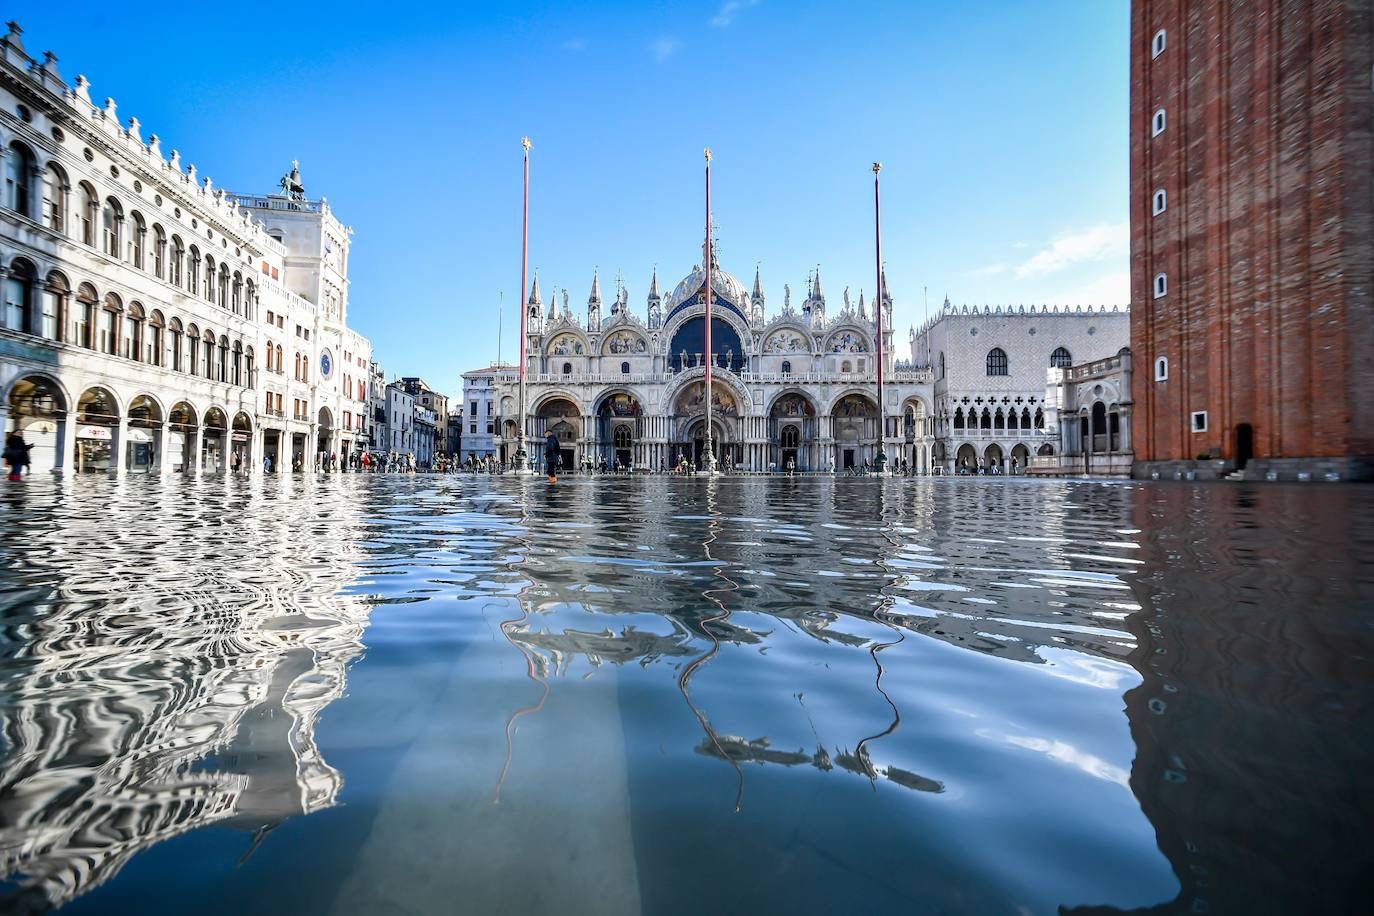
530	668
709	595
885	597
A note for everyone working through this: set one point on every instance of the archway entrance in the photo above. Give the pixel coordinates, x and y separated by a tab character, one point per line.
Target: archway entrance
617	427
143	452
793	422
966	459
993	457
1245	445
240	440
1020	458
97	417
212	448
181	442
325	438
39	414
561	417
854	424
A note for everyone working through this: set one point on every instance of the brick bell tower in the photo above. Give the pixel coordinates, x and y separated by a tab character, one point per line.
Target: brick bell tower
1252	234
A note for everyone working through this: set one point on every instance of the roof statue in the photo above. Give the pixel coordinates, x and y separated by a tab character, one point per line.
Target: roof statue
291	183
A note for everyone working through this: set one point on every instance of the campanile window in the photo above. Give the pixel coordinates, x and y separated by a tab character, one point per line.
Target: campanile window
1160	202
1161	285
1157	44
1157	123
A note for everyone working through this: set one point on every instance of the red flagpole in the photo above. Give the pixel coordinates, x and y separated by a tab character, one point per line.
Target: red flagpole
709	457
878	258
524	307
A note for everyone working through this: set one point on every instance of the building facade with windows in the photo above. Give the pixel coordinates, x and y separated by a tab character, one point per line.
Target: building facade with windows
1252	236
477	420
990	368
433	429
398	434
796	389
135	327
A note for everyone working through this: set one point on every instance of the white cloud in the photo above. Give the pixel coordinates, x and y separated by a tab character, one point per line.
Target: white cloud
664	48
988	271
1112	288
1096	243
729	10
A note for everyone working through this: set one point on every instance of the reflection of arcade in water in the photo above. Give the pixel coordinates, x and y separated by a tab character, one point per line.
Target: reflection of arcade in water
181	714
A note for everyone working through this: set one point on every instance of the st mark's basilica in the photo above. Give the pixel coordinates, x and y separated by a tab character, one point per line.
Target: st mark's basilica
797	389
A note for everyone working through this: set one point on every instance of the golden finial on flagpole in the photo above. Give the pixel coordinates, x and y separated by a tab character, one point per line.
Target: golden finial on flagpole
708	154
877	167
525	142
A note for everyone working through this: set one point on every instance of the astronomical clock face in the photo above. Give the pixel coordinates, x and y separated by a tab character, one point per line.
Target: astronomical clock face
326	363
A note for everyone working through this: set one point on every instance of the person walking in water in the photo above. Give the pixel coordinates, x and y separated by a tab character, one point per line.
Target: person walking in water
16	454
551	457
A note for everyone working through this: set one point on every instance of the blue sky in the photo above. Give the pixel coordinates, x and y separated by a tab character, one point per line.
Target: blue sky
1001	126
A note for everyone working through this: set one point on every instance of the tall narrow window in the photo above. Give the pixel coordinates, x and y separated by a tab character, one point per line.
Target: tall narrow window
1162	369
1157	123
54	198
1161	202
1157	44
178	256
19	178
1161	285
159	252
111	226
54	305
83	321
1061	358
19	298
140	236
997	362
90	210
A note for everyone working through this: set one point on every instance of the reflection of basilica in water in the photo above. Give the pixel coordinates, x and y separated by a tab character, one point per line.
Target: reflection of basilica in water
796	388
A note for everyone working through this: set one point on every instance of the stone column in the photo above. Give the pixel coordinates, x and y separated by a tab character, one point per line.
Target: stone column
120	448
164	464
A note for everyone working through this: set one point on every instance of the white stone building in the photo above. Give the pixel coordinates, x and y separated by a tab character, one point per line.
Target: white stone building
399	433
798	388
149	316
990	369
1092	407
478	416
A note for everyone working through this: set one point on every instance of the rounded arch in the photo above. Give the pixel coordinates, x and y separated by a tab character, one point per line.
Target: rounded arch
685	384
853	391
1061	358
775	342
624	342
19	168
616	401
570	342
966	457
687	343
918	406
215	418
243	422
556	394
37	394
326	418
145	410
183	416
997	363
99	406
801	396
848	338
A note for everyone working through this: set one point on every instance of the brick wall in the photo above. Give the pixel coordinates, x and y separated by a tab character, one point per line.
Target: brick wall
1267	159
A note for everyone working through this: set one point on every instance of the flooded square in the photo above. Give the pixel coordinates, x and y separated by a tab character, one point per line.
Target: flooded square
361	694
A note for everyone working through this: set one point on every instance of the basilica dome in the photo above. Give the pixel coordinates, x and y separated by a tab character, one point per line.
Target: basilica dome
723	285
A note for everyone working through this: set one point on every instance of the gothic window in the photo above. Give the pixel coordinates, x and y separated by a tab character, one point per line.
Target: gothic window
1157	123
18	178
567	368
786	367
1061	358
1025	418
1162	369
985	422
1160	202
997	361
942	365
624	368
959	418
999	420
1039	418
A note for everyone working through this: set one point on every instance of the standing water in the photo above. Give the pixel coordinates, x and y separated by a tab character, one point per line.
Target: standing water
372	695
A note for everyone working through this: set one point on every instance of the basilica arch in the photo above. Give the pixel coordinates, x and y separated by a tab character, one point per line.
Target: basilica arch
559	413
794	431
854	428
619	428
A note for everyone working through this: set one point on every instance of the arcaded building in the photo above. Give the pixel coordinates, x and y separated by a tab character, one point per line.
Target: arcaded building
1252	235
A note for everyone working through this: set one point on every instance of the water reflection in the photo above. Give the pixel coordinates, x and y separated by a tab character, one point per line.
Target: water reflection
157	677
660	679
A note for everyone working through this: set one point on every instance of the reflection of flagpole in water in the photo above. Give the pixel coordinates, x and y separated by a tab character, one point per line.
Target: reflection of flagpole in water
531	671
861	752
715	645
710	457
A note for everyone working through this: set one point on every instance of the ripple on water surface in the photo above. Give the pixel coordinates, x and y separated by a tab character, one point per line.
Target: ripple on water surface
360	694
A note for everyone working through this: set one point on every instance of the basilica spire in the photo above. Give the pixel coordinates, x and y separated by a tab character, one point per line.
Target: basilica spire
655	302
756	299
594	303
863	311
534	291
